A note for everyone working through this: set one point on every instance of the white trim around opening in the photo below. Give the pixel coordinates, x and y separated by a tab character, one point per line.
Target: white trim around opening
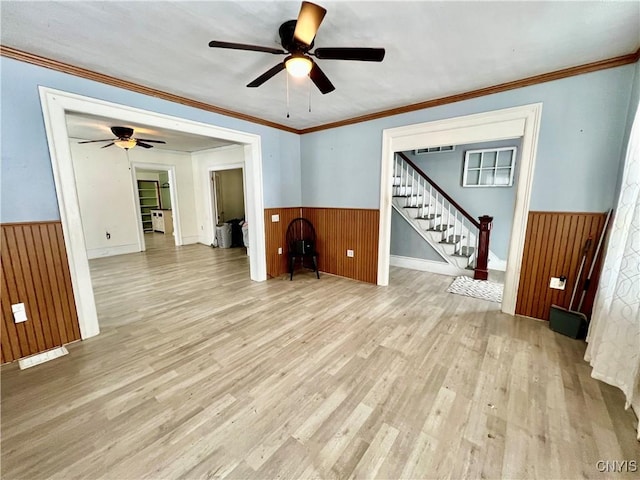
523	121
175	207
55	105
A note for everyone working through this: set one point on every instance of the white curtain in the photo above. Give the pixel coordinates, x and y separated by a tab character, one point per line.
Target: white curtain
614	332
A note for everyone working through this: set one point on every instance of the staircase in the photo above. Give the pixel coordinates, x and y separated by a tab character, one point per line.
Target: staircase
460	239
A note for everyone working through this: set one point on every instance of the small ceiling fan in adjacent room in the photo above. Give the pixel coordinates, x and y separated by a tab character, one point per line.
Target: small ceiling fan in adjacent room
297	38
125	139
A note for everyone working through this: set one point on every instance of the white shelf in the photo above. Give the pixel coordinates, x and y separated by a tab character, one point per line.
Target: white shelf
148	190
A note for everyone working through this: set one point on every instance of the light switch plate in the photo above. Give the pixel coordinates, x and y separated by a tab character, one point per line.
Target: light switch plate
19	313
349	253
557	284
275	218
279	250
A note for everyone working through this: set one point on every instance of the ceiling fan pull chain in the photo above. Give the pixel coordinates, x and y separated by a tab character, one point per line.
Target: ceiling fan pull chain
287	76
309	89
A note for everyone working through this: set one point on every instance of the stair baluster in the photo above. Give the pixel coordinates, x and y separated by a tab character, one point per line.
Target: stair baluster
455	227
434	204
411	183
424	196
406	180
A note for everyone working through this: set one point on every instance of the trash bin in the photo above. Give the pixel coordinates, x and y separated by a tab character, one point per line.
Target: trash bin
245	235
223	235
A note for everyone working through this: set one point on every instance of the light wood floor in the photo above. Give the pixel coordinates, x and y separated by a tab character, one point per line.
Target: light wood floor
201	373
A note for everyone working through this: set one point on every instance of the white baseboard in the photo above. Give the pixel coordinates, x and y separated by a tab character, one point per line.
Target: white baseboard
42	357
111	251
192	239
423	265
497	264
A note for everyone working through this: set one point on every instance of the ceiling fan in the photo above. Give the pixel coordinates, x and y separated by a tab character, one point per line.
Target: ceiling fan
125	139
297	38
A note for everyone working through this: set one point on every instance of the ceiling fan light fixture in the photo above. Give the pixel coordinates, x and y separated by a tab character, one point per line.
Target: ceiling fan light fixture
126	144
298	66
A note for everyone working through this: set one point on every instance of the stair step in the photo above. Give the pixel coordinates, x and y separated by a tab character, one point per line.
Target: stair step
464	252
430	216
439	228
426	205
452	239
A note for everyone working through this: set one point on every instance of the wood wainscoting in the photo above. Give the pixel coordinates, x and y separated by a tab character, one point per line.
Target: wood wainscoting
275	237
339	229
553	247
35	271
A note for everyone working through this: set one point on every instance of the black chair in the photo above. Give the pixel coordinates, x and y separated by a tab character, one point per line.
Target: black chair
301	241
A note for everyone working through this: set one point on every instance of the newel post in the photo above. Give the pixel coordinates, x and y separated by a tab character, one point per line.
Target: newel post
482	259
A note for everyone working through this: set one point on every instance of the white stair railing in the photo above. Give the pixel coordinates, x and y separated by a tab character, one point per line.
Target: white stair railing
435	208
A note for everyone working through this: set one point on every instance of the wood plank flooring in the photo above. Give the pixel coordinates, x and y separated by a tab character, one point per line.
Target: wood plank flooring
201	373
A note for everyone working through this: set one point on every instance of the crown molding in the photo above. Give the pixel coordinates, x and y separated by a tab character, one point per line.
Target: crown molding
27	57
31	58
503	87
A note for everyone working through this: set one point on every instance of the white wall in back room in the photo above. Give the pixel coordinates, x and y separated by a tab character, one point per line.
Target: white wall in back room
231	194
184	187
106	196
204	163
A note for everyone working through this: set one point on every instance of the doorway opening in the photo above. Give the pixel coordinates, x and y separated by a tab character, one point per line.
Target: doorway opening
156	204
497	125
228	206
56	105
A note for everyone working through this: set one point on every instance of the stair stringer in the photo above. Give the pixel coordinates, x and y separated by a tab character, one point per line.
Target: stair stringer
432	238
495	263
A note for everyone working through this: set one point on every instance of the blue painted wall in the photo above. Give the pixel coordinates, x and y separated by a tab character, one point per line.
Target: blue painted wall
406	242
579	151
28	192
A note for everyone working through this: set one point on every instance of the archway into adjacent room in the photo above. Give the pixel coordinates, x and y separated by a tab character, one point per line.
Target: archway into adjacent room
55	105
508	123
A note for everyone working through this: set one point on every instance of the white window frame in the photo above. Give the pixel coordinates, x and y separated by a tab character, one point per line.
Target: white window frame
482	152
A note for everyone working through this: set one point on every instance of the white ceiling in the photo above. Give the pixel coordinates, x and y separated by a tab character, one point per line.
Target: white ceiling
434	49
92	127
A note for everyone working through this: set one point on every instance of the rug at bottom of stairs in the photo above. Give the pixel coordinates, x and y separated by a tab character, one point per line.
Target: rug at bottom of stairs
482	289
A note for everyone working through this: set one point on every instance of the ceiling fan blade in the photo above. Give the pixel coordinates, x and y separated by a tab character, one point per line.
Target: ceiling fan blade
266	75
143	145
360	54
320	79
108	145
242	46
309	20
150	141
93	141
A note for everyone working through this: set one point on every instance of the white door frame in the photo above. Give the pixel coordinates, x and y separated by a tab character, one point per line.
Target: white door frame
523	121
175	209
211	200
55	104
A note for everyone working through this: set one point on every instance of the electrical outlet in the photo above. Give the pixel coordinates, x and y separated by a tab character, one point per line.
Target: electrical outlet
275	218
19	313
279	250
349	253
558	283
